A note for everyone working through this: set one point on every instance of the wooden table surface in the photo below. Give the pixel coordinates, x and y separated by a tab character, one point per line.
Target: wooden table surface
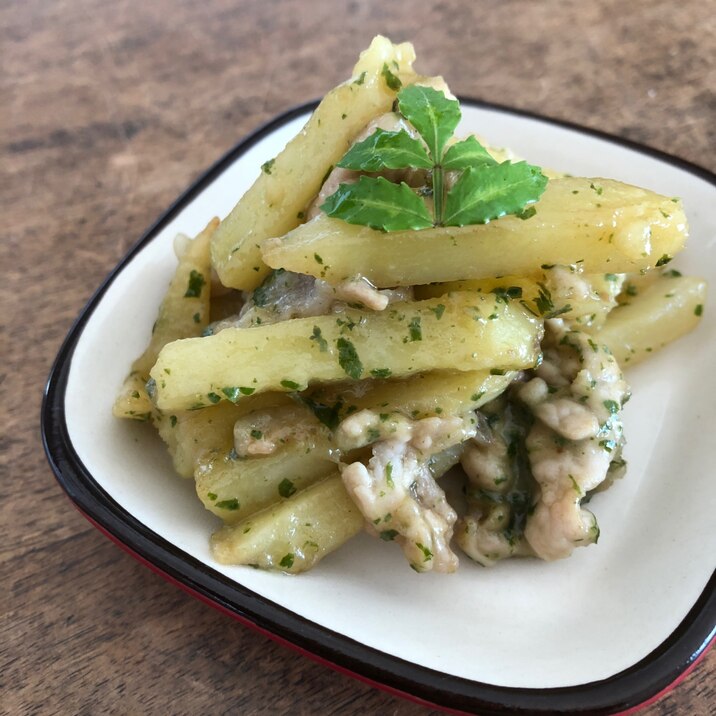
109	109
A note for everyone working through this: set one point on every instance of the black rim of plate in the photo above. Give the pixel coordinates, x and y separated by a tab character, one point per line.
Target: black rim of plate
624	691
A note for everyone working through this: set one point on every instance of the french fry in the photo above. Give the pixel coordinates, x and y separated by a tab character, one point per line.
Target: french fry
293	535
460	332
191	435
606	226
563	291
667	309
278	198
184	312
419	396
235	488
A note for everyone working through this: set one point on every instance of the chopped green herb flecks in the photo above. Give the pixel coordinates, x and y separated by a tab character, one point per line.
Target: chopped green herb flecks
527	213
290	384
393	81
505	294
329	415
196	282
416	332
286	488
663	260
266	167
287	561
318	259
388	535
256	434
321	342
211	495
348	358
232	394
612	406
232	504
428	555
197	318
213	397
381	372
173	420
263	292
698	311
438	311
360	80
389	474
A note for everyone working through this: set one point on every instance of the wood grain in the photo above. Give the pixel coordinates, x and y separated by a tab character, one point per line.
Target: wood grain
110	108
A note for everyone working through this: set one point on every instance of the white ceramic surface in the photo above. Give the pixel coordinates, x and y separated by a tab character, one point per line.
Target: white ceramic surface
523	623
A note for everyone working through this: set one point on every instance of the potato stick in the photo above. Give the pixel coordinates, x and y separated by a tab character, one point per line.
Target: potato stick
295	534
420	396
184	312
279	197
191	434
584	298
460	332
612	227
664	311
235	488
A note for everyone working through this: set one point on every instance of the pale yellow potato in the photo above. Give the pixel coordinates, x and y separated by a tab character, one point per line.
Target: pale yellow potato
293	535
180	316
420	396
459	332
192	435
543	295
667	309
235	488
287	184
604	225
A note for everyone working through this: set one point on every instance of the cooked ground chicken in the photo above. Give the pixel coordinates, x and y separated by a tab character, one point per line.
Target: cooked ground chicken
397	493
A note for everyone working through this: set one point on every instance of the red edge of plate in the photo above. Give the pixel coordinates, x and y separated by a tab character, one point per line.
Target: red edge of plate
336	667
255	627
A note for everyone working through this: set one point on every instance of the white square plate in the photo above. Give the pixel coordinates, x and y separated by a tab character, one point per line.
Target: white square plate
598	633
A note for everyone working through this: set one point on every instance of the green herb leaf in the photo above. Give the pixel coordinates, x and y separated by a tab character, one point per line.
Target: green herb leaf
468	153
386	150
432	114
488	192
380	204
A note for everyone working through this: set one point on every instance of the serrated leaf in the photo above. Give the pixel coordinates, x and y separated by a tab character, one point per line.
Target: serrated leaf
467	153
489	192
432	114
379	204
386	150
